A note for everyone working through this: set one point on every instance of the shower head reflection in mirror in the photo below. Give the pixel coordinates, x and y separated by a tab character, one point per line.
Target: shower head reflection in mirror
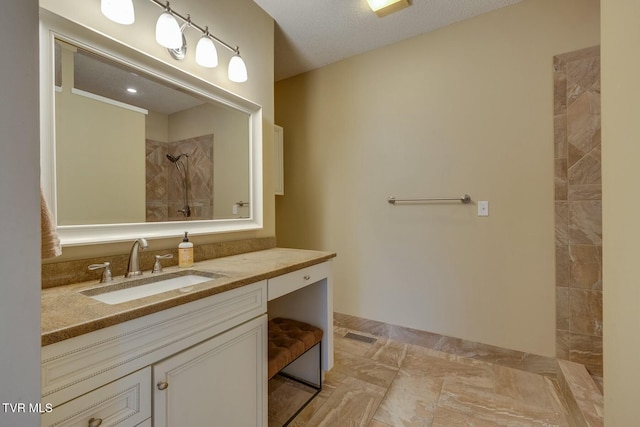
235	160
184	174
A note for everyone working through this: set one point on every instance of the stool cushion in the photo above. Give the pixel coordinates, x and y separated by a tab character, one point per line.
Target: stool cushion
288	340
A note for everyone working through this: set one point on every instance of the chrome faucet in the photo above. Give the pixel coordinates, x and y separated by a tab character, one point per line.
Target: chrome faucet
133	268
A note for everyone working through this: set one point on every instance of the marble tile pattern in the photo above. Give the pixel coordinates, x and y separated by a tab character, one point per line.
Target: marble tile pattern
156	180
528	362
389	382
285	397
578	210
164	188
584	399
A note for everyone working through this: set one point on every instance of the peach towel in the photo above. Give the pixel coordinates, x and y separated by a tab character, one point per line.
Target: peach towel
50	241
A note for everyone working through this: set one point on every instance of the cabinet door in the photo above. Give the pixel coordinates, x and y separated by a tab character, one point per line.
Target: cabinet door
220	382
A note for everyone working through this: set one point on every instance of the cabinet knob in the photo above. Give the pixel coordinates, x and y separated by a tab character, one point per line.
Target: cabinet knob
162	385
307	277
95	422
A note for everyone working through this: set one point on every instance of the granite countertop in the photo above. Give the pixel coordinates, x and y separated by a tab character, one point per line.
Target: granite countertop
66	313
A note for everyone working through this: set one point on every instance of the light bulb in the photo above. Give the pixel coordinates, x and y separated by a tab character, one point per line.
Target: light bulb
237	69
120	11
168	32
206	53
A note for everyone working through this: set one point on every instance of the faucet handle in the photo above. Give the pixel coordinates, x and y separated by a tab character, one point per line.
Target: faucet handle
106	274
157	266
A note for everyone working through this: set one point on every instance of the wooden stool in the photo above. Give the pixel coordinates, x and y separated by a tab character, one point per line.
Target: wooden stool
288	340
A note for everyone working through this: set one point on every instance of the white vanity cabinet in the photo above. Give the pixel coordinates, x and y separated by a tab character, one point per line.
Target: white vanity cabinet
201	363
210	352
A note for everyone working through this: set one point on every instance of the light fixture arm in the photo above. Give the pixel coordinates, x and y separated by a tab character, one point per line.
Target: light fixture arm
236	50
190	23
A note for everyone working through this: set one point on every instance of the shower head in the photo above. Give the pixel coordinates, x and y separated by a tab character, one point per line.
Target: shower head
174	158
184	175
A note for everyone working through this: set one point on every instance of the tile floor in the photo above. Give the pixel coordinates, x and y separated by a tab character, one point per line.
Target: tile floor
389	383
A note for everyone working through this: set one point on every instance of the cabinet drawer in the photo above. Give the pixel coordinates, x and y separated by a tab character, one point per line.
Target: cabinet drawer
295	280
123	403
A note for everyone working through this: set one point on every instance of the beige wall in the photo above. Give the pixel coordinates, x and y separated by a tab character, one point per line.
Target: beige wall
100	177
157	126
19	213
239	22
468	108
621	228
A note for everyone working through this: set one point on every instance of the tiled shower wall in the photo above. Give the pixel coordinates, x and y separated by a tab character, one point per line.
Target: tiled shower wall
164	188
578	206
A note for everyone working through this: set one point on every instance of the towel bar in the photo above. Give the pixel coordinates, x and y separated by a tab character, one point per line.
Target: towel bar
464	199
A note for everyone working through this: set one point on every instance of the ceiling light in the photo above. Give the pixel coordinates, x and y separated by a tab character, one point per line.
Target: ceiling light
120	11
206	53
386	7
168	32
237	69
132	90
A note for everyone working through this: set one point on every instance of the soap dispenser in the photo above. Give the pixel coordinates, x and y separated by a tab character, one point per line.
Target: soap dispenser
185	252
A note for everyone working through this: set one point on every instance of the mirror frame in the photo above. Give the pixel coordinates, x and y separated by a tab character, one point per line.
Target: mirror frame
53	26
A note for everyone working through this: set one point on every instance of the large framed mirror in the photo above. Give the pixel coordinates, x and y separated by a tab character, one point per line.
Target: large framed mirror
133	147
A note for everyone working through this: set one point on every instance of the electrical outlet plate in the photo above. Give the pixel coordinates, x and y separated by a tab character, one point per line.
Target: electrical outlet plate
483	208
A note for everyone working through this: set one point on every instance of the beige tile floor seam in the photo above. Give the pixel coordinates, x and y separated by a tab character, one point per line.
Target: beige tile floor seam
388	383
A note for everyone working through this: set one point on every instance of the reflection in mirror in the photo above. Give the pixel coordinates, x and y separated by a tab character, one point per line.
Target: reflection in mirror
181	154
133	148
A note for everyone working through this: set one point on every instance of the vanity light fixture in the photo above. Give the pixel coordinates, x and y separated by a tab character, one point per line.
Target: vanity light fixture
170	35
168	32
387	7
120	11
237	69
206	53
179	53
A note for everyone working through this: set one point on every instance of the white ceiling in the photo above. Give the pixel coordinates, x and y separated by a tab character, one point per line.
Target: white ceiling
313	33
101	76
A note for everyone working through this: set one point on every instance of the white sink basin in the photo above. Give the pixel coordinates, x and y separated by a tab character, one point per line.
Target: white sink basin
147	286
